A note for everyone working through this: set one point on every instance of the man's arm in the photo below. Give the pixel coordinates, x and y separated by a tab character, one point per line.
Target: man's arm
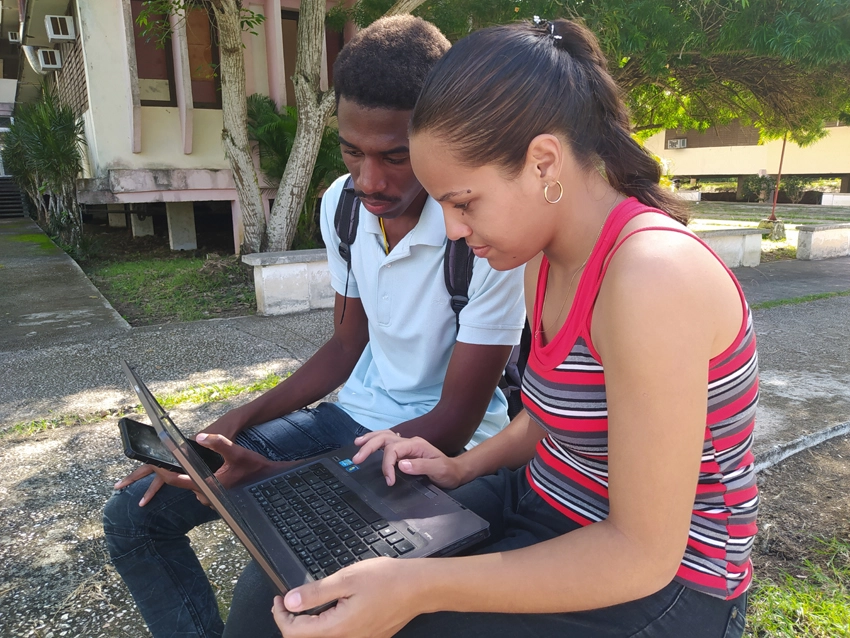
321	374
471	379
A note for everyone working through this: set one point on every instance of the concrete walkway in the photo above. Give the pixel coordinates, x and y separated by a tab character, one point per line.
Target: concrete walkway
46	298
71	364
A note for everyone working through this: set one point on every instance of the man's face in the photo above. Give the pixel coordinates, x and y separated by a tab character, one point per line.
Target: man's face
375	150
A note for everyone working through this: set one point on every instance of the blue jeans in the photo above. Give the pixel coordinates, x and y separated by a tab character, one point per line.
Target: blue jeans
149	547
518	518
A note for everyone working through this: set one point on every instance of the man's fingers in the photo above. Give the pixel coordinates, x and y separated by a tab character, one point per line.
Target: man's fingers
153	488
217	442
140	472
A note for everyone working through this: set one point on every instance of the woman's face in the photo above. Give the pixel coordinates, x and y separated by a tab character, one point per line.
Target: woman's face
504	220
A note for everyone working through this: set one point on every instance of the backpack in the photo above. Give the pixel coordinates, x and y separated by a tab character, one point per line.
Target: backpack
457	273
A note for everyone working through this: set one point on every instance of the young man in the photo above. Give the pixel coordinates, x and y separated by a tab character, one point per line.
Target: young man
405	362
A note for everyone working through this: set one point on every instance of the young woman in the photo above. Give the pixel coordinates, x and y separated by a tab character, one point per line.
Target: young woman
622	501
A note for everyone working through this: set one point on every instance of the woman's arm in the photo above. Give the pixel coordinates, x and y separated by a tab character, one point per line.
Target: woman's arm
656	325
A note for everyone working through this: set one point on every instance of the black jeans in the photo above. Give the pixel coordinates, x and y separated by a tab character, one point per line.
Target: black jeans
518	518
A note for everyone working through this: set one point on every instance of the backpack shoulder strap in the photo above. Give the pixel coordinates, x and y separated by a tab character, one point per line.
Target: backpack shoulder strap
346	219
457	271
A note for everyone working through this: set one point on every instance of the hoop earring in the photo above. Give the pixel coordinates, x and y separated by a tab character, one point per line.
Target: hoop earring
560	193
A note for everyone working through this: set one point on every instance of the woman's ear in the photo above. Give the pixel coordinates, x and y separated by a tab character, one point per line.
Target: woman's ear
544	157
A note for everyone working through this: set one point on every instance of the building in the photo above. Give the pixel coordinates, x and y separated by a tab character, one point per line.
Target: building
733	151
152	114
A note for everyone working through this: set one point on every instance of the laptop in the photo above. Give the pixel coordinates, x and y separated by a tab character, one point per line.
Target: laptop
324	513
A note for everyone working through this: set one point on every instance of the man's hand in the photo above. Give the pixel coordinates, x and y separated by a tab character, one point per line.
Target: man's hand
239	465
413	456
228	425
140	473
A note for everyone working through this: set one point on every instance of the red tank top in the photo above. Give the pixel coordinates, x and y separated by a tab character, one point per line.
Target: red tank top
564	392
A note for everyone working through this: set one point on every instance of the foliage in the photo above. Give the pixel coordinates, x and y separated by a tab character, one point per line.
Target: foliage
154	27
758	187
781	66
43	151
274	132
795	186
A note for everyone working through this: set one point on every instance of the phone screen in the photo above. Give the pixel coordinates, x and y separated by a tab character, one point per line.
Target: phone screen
143	439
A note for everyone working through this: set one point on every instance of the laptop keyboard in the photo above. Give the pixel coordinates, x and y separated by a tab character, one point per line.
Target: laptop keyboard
327	525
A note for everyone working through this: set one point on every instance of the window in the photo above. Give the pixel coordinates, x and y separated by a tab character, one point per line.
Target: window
155	69
203	59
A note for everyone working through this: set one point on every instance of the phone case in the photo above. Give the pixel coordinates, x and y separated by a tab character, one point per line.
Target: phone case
213	459
129	452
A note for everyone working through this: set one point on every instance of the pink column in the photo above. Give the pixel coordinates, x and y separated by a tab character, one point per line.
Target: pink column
238	226
131	77
274	53
182	79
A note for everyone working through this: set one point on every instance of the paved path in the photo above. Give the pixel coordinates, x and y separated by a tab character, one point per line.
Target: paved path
794	278
71	364
46	298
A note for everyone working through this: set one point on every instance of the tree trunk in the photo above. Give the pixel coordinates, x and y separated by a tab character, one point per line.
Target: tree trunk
403	6
314	109
234	135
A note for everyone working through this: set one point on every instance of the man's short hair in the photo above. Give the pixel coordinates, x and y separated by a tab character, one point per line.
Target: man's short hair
385	64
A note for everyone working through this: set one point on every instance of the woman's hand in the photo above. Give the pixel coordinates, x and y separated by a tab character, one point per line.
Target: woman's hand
413	456
375	598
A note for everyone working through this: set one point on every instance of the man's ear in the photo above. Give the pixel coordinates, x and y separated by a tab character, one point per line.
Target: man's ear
544	157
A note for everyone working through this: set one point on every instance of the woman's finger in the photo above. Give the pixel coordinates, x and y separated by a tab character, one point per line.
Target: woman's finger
374	442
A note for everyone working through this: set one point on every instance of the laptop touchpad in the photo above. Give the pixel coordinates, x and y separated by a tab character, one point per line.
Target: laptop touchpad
405	493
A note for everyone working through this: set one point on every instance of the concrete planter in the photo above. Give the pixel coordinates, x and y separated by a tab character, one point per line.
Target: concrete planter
823	242
735	246
835	199
291	281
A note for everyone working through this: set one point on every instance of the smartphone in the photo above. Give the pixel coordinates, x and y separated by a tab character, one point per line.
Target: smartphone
141	443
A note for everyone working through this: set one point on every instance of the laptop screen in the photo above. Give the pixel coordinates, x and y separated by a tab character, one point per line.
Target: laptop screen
197	469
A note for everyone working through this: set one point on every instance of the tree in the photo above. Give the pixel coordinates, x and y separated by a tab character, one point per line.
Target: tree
781	65
274	131
314	107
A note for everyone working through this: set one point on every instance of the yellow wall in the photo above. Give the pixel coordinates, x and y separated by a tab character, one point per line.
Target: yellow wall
829	156
108	120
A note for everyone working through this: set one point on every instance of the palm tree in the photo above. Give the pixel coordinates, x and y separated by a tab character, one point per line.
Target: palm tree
43	150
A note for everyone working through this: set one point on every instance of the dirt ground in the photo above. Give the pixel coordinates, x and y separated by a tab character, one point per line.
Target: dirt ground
804	498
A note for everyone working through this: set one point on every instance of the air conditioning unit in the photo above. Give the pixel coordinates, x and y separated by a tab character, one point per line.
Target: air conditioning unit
60	28
50	59
14	37
679	143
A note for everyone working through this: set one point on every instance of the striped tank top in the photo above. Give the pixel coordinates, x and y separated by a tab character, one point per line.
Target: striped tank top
564	392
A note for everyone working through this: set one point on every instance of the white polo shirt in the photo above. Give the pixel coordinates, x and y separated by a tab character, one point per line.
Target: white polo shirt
412	328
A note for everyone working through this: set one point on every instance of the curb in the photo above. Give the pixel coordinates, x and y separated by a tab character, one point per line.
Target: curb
781	452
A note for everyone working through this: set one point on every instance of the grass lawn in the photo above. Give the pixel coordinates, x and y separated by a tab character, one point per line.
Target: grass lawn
813	601
150	284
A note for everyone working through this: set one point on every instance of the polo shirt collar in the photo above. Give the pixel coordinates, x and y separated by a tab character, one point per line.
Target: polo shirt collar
430	230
